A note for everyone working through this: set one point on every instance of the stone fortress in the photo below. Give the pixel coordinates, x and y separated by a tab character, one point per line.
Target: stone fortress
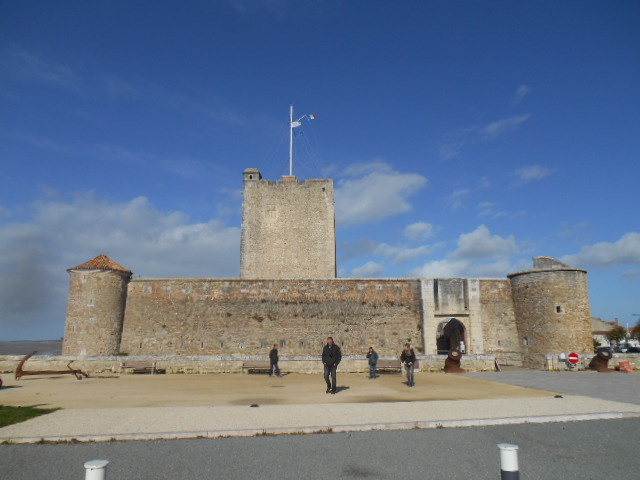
288	293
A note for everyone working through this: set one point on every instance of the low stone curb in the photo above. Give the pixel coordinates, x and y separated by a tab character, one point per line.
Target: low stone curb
258	432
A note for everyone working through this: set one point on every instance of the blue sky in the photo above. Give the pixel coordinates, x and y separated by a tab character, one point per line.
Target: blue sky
464	138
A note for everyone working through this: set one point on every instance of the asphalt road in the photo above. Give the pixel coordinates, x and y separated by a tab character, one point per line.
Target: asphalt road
579	450
614	386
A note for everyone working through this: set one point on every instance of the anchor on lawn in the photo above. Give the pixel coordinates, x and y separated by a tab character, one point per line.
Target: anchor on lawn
20	372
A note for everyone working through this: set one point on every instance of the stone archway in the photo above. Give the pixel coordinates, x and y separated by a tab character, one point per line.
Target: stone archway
450	333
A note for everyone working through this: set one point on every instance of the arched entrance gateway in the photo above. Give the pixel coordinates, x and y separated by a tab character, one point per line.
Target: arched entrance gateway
451	335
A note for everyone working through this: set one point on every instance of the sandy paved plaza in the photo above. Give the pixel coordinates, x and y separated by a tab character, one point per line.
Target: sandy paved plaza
131	390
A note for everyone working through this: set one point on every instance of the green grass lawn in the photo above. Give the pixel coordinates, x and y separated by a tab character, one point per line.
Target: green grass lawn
11	415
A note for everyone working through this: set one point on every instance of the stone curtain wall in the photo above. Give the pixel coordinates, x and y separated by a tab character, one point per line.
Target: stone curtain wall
552	311
230	363
288	228
246	317
500	335
95	312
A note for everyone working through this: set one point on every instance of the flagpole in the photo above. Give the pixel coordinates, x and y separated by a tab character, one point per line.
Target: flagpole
291	141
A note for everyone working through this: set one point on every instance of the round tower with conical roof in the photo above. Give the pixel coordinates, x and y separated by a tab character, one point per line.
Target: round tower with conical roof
95	313
553	313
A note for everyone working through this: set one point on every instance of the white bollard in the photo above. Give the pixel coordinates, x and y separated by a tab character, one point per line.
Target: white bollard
96	470
509	469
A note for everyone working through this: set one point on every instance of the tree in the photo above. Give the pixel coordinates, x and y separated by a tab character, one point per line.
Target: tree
635	331
617	334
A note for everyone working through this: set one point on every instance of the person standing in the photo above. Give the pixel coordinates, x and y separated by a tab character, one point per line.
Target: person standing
408	359
273	358
373	362
331	356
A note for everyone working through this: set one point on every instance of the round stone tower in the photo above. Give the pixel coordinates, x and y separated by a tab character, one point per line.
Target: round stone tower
97	298
553	314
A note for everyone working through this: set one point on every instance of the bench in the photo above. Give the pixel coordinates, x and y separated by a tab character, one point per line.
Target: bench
139	366
256	365
389	366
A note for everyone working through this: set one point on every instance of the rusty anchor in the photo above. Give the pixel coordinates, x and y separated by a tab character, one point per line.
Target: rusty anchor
71	371
452	363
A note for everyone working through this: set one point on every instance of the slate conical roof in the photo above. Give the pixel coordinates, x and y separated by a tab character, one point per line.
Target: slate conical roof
101	262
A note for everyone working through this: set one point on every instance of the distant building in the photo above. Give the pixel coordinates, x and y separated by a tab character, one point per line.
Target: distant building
600	330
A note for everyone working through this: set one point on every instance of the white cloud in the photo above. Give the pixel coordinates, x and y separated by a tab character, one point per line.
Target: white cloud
446	268
450	150
419	231
632	275
567	229
376	192
531	173
368	270
521	92
118	87
61	234
457	198
624	252
487	209
399	255
455	142
481	244
4	212
27	65
497	128
478	254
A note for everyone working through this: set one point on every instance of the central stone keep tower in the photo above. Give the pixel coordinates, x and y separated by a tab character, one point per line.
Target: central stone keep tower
288	228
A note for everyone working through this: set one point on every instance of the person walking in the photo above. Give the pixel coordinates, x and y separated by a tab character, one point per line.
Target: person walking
331	356
373	362
408	359
273	358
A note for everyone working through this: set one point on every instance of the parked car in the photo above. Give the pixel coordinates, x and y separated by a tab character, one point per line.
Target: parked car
633	350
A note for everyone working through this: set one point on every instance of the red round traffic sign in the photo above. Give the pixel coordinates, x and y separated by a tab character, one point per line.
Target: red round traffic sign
574	358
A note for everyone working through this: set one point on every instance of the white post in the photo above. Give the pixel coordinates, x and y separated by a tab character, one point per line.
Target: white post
96	470
291	141
509	469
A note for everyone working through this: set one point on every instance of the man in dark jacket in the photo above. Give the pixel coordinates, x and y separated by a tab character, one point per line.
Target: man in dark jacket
331	357
273	358
373	362
408	359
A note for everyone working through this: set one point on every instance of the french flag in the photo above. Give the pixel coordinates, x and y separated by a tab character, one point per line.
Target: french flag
312	117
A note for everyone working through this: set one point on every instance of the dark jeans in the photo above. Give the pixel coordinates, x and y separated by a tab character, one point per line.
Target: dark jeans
409	369
330	370
372	371
274	369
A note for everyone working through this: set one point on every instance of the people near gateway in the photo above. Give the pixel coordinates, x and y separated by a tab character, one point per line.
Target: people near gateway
273	358
372	355
331	356
408	359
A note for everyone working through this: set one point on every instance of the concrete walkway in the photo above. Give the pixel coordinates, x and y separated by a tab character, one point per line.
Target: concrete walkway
294	405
